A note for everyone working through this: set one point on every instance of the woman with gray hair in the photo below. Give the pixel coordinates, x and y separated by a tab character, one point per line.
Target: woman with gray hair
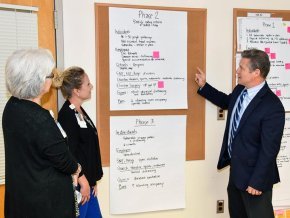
37	160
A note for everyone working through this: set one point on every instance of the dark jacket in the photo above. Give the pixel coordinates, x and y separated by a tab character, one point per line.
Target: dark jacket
37	162
257	141
83	143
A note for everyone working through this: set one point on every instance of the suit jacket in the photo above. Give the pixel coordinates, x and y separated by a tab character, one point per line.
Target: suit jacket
258	137
83	143
38	164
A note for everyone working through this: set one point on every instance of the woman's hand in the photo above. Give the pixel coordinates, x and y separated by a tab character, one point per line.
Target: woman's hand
75	176
85	189
95	190
75	179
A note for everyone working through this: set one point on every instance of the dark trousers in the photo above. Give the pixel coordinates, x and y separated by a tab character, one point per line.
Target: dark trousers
244	205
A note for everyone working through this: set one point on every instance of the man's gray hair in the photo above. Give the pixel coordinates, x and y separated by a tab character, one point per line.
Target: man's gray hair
26	71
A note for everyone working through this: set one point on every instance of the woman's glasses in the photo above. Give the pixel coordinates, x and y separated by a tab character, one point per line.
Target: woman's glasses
51	76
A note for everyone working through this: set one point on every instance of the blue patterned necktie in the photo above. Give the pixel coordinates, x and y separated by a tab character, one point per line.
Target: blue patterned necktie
236	120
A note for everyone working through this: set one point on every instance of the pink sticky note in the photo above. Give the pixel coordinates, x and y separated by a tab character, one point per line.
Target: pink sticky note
155	54
160	84
278	92
288	29
279	212
267	50
288	41
273	55
287	66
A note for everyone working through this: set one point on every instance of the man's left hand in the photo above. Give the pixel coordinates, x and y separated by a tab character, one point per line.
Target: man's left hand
253	191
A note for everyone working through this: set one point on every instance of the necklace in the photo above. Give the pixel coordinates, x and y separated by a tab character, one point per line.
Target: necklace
88	121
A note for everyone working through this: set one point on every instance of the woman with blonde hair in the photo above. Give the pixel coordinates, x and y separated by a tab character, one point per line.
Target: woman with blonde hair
82	136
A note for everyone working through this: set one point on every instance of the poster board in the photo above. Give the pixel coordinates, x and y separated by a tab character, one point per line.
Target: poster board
196	54
148	59
140	169
281	191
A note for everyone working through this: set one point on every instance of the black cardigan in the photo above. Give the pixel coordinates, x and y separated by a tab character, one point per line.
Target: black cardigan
83	143
38	163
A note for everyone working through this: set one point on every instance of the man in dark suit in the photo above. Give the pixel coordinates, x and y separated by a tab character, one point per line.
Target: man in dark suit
252	136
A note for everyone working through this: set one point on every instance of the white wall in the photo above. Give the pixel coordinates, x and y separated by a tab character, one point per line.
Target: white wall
204	184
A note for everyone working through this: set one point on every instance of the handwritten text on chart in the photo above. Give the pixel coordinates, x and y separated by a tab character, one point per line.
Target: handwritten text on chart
144	170
281	191
147	70
270	35
146	152
283	159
